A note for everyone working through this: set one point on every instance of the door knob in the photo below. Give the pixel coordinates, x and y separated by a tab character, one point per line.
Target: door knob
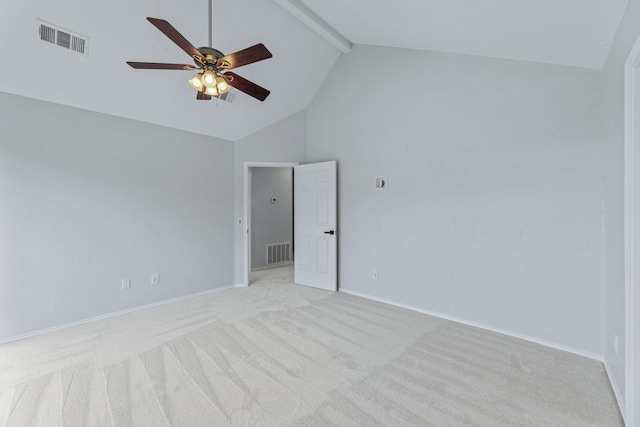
332	232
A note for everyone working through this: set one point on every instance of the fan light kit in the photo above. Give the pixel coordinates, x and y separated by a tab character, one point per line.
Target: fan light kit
212	80
211	83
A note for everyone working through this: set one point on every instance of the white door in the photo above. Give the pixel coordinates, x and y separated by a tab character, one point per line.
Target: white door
315	222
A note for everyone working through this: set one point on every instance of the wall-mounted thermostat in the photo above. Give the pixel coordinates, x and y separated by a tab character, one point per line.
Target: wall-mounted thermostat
380	183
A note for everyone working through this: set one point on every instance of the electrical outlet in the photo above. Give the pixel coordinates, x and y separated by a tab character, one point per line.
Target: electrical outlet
126	284
374	275
155	279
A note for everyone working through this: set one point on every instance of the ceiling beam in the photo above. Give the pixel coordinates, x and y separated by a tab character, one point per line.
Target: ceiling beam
317	24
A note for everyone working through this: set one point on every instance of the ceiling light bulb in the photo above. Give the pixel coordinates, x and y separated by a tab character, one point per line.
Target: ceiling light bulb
196	83
208	78
211	91
222	85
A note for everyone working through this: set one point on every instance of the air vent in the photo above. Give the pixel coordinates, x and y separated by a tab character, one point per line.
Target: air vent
63	39
47	34
278	253
78	44
66	39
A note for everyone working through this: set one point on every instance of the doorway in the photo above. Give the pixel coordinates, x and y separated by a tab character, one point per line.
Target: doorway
315	230
271	225
248	196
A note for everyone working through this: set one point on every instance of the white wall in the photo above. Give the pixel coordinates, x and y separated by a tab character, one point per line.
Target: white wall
492	213
88	199
613	154
270	222
281	142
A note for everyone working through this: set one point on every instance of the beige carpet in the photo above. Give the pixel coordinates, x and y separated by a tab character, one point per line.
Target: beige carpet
280	354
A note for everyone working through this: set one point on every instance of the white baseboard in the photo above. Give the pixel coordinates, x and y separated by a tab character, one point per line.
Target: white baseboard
240	285
109	315
618	393
588	354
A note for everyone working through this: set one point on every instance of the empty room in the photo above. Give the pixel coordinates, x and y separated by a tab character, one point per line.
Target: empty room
312	213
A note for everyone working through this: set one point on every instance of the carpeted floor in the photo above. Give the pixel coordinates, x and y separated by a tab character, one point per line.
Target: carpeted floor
280	354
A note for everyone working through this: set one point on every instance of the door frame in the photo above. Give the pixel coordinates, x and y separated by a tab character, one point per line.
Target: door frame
632	256
247	211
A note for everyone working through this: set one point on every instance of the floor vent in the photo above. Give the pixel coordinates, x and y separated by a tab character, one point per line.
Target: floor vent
50	33
278	253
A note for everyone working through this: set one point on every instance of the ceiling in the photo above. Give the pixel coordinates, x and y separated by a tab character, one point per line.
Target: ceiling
564	32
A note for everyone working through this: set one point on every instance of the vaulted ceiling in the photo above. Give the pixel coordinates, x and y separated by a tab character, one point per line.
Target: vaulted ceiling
306	37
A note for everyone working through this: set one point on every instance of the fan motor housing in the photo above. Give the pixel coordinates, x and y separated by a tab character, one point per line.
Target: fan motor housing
210	52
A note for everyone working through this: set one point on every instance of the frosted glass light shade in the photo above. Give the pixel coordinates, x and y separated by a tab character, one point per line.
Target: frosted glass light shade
196	82
222	85
209	78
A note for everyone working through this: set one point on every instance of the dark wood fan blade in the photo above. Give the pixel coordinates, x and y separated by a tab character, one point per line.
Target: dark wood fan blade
176	37
203	96
246	56
160	66
247	86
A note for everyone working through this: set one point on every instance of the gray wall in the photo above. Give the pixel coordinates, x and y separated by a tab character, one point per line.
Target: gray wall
492	213
613	98
281	142
88	199
270	222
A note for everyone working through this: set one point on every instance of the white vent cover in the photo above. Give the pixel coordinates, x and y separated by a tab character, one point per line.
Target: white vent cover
59	36
278	253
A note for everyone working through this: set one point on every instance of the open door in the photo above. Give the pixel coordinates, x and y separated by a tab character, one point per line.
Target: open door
315	225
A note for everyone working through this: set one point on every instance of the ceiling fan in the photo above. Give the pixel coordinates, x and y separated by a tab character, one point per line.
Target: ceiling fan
213	81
